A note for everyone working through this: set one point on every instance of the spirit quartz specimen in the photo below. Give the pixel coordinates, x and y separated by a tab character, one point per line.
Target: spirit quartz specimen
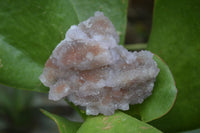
90	69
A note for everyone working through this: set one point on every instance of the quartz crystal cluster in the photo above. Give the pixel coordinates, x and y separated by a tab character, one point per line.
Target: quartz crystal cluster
90	69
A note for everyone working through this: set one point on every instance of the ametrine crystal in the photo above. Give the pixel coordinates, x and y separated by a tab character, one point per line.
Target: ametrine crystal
90	69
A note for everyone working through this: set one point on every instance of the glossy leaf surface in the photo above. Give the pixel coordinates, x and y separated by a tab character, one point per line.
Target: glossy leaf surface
175	38
30	30
117	123
64	125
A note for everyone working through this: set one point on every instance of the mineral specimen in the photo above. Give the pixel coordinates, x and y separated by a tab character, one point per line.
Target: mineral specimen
90	69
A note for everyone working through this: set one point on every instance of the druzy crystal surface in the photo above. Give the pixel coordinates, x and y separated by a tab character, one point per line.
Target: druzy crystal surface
90	69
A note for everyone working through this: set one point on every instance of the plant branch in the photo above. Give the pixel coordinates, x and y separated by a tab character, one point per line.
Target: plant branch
139	46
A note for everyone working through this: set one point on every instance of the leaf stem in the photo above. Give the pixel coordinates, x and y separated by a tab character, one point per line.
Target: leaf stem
139	46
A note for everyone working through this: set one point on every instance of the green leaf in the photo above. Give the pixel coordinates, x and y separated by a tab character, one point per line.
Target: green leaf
64	125
162	98
175	37
30	30
18	70
117	123
164	94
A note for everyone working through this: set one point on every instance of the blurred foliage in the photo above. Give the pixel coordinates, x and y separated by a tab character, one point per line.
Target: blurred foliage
15	110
